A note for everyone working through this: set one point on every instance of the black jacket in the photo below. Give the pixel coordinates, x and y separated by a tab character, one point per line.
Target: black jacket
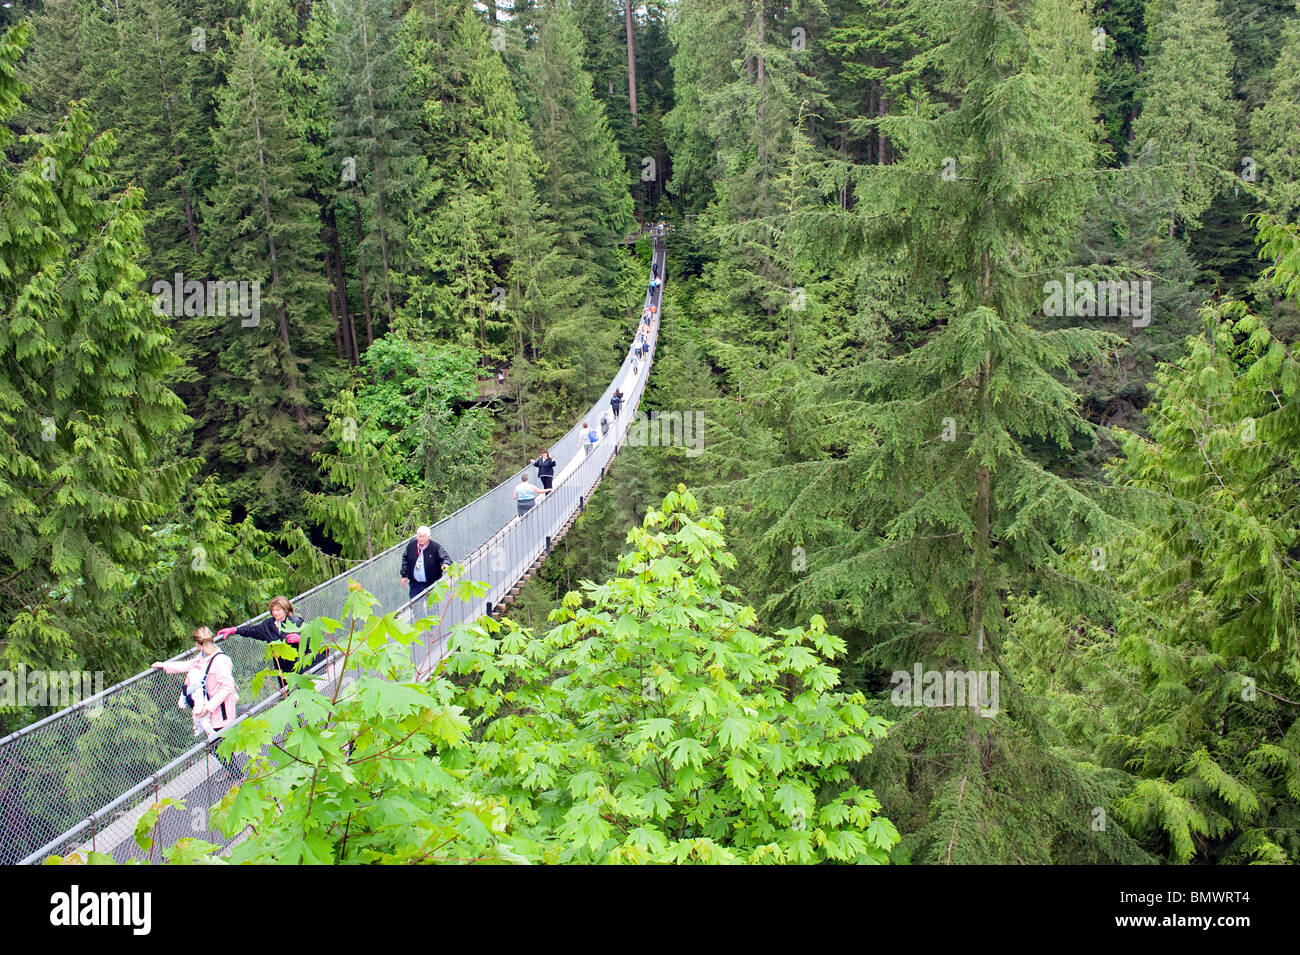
545	467
435	555
267	631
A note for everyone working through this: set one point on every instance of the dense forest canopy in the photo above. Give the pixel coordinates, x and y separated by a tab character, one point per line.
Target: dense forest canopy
984	313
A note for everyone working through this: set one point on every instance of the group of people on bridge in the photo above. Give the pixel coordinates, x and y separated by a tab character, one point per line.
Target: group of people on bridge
209	690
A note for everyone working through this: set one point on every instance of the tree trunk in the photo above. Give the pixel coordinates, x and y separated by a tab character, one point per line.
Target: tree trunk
341	289
379	188
191	227
983	489
880	134
334	313
365	289
631	60
299	412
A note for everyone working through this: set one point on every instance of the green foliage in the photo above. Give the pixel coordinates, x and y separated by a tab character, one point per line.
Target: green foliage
1273	132
1211	630
362	776
371	508
414	395
150	91
262	395
373	141
655	724
585	182
1186	129
108	556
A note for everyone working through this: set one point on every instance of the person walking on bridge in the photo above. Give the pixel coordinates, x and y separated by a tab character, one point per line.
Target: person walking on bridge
423	562
545	469
616	402
526	495
282	624
209	685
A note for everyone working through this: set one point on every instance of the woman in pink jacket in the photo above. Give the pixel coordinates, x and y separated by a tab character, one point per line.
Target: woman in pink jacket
211	681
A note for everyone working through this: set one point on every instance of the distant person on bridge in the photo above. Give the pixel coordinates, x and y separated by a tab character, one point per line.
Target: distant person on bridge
281	625
423	562
616	402
545	469
526	494
584	439
209	685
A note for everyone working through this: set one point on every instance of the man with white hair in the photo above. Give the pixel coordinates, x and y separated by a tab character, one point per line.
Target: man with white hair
423	562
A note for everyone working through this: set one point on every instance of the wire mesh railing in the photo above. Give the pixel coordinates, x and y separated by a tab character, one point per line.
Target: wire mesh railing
81	778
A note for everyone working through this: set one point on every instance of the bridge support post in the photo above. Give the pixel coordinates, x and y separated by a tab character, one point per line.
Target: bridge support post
580	504
548	545
488	612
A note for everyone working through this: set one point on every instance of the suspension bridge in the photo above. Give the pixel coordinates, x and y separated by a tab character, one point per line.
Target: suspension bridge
82	778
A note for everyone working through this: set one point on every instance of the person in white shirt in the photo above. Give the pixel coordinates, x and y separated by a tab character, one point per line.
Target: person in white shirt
423	562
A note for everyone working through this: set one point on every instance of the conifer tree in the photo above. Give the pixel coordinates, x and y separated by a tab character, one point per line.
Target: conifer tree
941	508
498	277
1275	138
372	142
62	43
1186	130
585	181
757	111
470	115
869	47
150	94
103	560
370	510
263	228
1188	638
1211	630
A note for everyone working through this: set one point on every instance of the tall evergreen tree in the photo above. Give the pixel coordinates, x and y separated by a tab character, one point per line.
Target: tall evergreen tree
1187	126
369	512
103	561
1275	138
57	66
585	182
372	144
150	93
941	509
497	274
1212	628
262	228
